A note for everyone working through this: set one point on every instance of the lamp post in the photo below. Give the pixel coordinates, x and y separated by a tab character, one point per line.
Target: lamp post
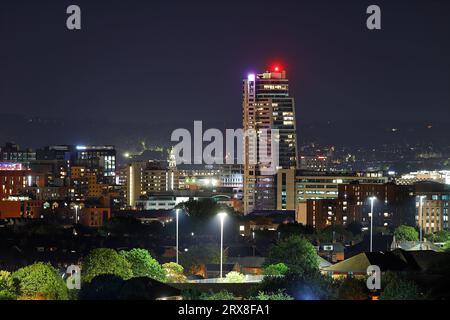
76	213
222	216
177	214
372	199
420	218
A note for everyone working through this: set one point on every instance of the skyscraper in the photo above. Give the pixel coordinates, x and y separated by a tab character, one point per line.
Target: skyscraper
267	105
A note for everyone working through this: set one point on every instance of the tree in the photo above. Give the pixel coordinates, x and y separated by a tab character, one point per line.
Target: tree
398	288
334	232
278	269
200	255
102	287
440	236
278	295
297	253
355	228
221	295
144	265
234	277
40	281
174	272
289	229
312	286
105	261
353	289
125	226
406	233
7	291
204	209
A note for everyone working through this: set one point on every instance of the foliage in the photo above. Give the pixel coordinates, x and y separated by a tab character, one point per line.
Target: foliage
7	291
102	287
105	261
352	289
355	227
335	232
143	264
297	253
395	287
440	236
221	295
125	226
311	286
174	272
201	254
234	277
278	269
204	209
295	228
40	281
406	233
278	295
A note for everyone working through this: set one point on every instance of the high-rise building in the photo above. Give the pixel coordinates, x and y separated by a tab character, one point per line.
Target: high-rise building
267	105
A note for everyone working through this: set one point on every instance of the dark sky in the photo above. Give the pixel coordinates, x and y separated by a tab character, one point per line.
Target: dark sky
185	60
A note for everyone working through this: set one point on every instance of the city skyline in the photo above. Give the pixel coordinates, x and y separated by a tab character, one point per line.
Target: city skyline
236	151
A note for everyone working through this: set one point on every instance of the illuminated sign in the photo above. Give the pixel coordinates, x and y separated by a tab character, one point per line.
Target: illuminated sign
8	166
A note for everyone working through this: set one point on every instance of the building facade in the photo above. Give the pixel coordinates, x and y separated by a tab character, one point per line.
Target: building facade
268	109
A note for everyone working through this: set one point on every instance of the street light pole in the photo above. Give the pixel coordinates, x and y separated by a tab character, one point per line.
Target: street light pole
222	216
76	214
372	199
177	211
420	214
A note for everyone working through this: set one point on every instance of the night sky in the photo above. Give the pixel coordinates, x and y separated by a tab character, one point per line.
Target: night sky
174	61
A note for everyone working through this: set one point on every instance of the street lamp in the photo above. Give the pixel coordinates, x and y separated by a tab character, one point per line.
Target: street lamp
76	213
372	199
177	213
222	216
420	218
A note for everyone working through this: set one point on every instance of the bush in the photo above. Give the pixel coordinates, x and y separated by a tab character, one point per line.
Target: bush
353	289
7	291
278	269
174	272
234	277
105	261
221	295
40	281
144	265
395	287
279	295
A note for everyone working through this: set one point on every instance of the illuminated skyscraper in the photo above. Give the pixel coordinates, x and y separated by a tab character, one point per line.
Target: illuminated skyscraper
267	105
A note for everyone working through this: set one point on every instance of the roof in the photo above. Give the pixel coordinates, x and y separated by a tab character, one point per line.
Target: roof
248	262
425	260
323	263
381	242
360	262
397	260
212	267
417	245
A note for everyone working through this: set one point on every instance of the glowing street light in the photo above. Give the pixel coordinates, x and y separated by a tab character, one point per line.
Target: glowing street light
222	216
372	199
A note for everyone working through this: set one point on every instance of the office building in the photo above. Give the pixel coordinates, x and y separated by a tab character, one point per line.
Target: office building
267	105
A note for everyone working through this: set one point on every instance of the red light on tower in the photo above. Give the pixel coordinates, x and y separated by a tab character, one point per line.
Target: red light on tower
277	68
